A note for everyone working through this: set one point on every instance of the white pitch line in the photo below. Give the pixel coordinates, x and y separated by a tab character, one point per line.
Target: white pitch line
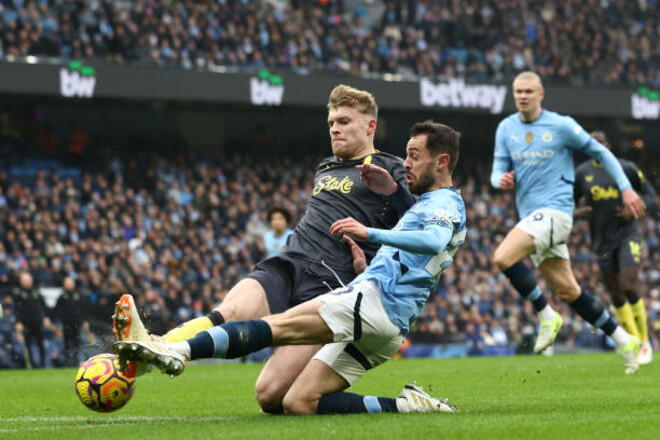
115	420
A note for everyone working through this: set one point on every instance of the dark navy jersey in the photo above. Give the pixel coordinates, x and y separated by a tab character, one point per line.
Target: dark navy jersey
339	193
602	194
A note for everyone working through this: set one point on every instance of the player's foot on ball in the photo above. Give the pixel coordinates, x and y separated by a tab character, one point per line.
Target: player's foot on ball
126	322
548	332
417	400
629	354
156	353
645	355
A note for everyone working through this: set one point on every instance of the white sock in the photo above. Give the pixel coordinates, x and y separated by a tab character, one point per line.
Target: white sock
547	313
621	337
402	405
183	348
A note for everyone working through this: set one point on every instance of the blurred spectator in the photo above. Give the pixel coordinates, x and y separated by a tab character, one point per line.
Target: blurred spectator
279	220
480	40
30	318
70	311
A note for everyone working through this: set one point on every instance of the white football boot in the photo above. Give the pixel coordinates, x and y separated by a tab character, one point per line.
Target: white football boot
158	354
645	355
548	332
629	353
414	399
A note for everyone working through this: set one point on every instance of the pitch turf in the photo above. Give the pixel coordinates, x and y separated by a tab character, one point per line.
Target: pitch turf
531	397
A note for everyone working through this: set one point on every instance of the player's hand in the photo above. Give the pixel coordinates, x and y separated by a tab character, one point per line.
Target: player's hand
359	259
508	180
377	179
633	202
583	212
623	215
349	226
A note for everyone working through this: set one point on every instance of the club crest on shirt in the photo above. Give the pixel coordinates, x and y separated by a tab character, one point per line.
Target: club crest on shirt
589	178
529	137
547	136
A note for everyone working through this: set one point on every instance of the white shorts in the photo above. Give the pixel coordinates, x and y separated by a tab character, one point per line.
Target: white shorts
363	333
550	229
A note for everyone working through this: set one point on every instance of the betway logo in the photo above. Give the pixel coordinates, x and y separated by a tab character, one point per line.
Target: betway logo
457	94
545	154
645	104
77	81
267	89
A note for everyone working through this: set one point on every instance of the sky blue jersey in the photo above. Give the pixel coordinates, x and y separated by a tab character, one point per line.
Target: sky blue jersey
541	154
415	252
273	244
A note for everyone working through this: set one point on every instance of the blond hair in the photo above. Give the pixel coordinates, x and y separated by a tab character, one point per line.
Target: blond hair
529	76
360	100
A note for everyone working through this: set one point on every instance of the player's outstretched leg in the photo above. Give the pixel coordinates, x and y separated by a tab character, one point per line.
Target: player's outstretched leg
126	322
411	399
229	341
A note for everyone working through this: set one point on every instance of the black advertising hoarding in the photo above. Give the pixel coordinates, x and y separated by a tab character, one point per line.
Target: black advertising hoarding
77	80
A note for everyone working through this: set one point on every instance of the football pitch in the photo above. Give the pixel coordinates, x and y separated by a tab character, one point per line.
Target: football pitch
531	397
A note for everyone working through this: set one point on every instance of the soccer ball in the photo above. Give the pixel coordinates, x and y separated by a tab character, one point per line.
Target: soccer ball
102	386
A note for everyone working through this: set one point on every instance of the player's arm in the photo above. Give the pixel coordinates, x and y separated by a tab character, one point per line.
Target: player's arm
432	240
643	186
393	187
359	258
501	177
631	199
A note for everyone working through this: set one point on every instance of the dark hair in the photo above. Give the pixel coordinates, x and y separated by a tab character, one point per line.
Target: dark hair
601	137
283	211
439	139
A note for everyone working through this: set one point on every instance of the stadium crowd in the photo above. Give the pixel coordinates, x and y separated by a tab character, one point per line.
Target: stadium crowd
178	231
481	40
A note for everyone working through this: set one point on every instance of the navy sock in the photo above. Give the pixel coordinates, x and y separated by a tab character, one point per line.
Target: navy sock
523	281
592	311
201	346
231	340
349	403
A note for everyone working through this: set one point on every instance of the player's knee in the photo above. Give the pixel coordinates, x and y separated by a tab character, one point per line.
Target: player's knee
568	293
501	261
269	396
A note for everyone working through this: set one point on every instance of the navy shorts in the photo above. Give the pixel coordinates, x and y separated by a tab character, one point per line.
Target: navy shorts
289	281
627	254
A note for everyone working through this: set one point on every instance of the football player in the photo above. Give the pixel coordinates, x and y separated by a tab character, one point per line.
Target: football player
534	155
616	239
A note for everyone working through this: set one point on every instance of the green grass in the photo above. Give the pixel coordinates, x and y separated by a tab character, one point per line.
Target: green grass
563	397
